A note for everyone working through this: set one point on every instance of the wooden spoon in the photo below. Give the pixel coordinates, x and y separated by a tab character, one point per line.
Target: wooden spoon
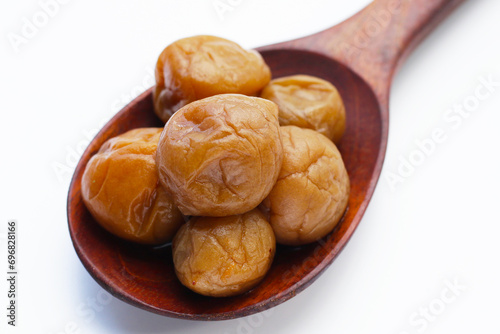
359	56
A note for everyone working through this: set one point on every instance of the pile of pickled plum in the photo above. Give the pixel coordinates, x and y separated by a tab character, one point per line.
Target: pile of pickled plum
243	163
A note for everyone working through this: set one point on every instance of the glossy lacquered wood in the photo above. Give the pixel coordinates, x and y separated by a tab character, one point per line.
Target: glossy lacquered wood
359	56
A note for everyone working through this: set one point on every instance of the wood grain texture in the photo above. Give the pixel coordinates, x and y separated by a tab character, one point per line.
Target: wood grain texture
362	72
376	40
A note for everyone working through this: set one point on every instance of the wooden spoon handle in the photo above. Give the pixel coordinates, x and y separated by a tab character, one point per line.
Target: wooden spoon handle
374	41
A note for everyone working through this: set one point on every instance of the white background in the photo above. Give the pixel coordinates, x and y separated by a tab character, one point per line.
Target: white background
438	226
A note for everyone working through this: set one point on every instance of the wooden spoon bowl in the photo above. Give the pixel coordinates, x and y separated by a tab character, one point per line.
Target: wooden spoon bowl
144	276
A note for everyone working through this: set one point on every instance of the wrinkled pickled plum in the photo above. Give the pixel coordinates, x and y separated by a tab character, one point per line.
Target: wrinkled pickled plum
224	256
221	155
197	67
312	190
121	190
308	102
